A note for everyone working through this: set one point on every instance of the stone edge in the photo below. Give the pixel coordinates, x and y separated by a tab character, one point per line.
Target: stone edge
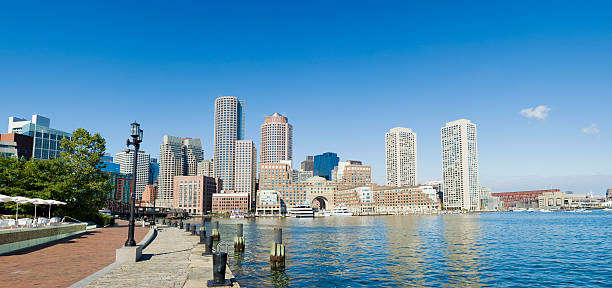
17	246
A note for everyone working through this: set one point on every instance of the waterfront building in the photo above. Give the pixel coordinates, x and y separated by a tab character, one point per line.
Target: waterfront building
565	200
46	143
269	204
126	165
389	199
229	127
437	185
352	173
171	164
193	153
153	170
308	164
193	194
609	194
401	157
300	175
20	145
149	195
522	199
108	165
324	164
8	149
460	165
206	168
489	202
276	139
228	201
246	169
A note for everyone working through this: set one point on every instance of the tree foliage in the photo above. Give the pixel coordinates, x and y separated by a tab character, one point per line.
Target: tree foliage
74	177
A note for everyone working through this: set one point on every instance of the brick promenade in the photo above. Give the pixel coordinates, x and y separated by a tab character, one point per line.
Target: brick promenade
64	262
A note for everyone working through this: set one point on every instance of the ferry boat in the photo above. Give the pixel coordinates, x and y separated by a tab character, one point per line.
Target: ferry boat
322	213
341	210
301	211
236	214
545	210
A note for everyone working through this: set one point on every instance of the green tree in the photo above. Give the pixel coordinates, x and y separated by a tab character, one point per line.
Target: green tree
87	186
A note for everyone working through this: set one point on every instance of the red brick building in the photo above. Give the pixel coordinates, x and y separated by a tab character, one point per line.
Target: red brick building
229	201
511	199
24	144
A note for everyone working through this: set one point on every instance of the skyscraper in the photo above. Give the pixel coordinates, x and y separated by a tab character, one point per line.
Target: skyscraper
308	164
229	127
276	139
193	155
460	165
206	168
324	164
246	169
126	164
171	163
401	157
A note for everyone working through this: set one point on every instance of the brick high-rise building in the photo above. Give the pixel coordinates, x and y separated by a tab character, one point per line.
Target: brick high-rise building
276	139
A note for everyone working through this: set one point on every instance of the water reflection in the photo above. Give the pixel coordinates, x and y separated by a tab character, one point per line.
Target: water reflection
461	239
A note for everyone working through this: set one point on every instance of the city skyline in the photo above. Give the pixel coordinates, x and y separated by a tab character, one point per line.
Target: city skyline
538	82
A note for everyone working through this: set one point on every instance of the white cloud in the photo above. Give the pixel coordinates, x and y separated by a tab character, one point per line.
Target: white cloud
539	112
591	130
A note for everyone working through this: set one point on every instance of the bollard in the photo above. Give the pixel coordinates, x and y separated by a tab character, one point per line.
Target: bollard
219	266
239	240
277	250
215	231
202	235
174	224
193	229
181	225
164	221
208	246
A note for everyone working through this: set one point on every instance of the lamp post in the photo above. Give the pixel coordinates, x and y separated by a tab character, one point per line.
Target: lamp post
136	134
154	198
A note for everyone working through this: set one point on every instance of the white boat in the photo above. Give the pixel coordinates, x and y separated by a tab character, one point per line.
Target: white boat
301	211
341	210
607	209
545	211
236	214
322	213
519	210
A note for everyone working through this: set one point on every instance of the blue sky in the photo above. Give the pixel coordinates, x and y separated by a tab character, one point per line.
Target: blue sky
344	72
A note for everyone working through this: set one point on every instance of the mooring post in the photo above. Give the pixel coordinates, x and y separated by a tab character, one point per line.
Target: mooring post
186	227
215	231
193	229
181	225
208	246
277	251
239	240
164	221
202	234
219	266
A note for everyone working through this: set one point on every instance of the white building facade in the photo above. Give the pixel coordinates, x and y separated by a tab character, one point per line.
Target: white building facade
206	168
229	127
401	157
460	165
126	163
171	163
246	169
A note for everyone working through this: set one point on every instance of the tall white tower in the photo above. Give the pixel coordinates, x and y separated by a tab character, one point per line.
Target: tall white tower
229	127
171	163
460	165
401	157
246	168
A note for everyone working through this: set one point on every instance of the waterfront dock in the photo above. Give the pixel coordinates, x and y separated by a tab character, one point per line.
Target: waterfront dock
173	259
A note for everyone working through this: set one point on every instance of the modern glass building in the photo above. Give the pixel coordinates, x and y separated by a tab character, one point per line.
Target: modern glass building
153	170
324	164
47	140
108	165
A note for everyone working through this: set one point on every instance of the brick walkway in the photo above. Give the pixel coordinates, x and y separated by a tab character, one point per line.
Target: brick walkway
67	261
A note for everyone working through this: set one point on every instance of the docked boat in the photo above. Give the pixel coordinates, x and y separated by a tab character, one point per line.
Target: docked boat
607	209
341	210
545	210
322	213
301	211
236	214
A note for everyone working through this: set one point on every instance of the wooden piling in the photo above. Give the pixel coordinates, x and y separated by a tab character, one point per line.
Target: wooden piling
239	240
277	250
215	231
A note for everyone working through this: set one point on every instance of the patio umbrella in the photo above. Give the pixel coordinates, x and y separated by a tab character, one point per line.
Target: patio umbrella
4	198
53	202
37	201
19	199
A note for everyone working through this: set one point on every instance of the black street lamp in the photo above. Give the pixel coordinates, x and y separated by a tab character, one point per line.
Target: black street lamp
154	198
136	134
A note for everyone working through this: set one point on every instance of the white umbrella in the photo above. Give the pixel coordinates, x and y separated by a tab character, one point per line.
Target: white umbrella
19	199
53	202
37	201
4	198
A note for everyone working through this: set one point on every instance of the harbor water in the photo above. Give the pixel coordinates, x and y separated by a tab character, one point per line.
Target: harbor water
505	249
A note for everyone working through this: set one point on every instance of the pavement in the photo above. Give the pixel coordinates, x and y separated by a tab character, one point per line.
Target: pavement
64	262
173	259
